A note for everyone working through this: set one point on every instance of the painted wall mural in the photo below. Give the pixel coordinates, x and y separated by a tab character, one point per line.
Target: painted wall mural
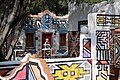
86	48
74	43
107	47
102	73
71	70
32	69
46	25
48	21
117	50
100	44
102	47
102	52
111	46
108	20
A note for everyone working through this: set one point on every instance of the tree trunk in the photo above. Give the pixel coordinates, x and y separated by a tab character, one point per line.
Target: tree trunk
11	18
17	32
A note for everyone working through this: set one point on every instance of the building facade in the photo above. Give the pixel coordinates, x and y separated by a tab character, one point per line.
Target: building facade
44	26
90	52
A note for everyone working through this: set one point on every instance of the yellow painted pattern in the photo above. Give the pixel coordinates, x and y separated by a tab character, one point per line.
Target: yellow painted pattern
105	20
116	20
101	20
70	73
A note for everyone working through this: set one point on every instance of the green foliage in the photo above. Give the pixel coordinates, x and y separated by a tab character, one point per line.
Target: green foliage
60	7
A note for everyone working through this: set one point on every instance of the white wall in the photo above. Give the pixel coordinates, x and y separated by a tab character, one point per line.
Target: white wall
79	13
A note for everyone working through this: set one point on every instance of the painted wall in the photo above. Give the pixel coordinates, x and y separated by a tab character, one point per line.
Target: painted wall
95	52
31	69
80	12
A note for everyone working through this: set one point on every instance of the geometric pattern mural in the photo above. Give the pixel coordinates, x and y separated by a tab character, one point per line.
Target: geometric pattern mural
71	70
108	47
74	43
21	75
108	20
102	51
107	51
86	48
102	74
111	46
102	47
32	69
117	49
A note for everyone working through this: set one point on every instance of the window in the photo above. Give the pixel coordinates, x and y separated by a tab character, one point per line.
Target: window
29	40
63	39
46	36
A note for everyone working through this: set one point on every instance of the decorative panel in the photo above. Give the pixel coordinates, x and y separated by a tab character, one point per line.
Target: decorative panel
108	20
71	70
102	47
117	50
86	48
102	73
48	22
74	43
32	69
102	52
111	46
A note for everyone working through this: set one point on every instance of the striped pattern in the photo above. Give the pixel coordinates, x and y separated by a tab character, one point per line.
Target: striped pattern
7	66
32	69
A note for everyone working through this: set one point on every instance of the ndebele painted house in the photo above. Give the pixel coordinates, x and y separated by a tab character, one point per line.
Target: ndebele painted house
48	49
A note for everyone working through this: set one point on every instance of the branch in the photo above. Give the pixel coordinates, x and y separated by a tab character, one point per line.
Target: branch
4	16
14	11
2	1
9	22
17	29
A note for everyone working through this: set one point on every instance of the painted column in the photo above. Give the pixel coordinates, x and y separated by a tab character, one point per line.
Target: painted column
67	41
36	41
39	44
92	32
57	40
85	46
40	41
100	46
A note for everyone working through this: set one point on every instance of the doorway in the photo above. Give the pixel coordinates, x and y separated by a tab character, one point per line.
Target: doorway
46	36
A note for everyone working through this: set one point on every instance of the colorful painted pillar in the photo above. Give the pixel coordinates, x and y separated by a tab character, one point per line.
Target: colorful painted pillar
104	32
99	48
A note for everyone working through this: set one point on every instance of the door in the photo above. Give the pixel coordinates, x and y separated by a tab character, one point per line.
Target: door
46	36
29	40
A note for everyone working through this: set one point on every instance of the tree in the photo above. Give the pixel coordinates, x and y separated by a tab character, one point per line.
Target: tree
59	7
13	13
